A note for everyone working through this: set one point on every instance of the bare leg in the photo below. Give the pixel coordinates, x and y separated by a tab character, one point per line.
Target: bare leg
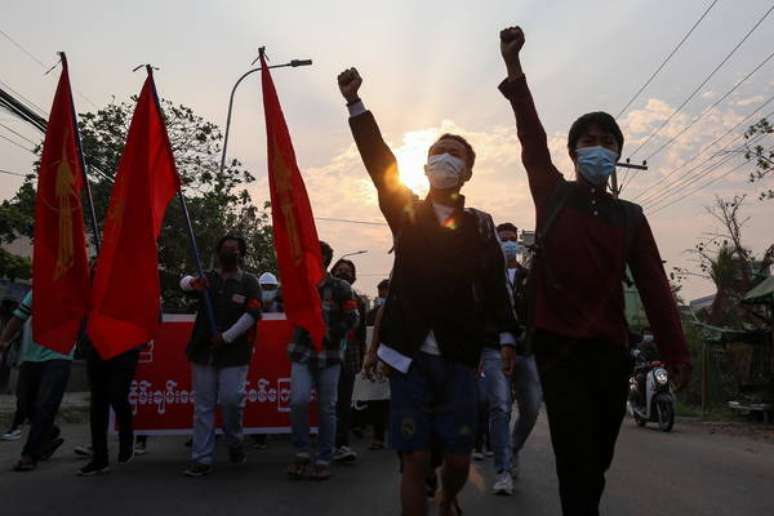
454	474
416	466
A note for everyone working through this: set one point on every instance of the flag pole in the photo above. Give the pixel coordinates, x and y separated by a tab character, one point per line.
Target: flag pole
89	196
205	294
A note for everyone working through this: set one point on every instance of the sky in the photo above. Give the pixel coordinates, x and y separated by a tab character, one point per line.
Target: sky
429	67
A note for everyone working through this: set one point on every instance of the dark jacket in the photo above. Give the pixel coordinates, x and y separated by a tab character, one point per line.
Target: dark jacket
231	299
446	278
584	258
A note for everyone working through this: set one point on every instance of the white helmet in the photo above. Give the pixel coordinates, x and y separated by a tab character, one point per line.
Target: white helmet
267	278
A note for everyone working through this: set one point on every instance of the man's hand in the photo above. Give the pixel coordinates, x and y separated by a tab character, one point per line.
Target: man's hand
681	375
508	356
511	42
217	341
349	84
200	283
369	365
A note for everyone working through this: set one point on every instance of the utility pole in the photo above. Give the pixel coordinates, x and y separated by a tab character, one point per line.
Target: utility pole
614	178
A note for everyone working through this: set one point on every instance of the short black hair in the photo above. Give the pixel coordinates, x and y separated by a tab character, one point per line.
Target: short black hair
471	154
507	226
604	121
327	253
348	262
383	285
236	238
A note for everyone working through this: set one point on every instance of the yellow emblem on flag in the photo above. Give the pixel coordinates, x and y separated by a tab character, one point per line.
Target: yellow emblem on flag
64	188
283	178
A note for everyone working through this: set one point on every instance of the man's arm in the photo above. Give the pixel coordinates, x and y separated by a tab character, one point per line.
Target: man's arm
348	310
535	156
395	199
12	327
252	307
653	286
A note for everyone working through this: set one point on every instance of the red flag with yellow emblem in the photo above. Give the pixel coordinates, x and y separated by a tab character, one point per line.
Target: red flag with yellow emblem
60	269
126	293
295	235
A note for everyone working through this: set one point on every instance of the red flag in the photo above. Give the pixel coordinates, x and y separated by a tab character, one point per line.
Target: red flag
125	294
295	235
60	268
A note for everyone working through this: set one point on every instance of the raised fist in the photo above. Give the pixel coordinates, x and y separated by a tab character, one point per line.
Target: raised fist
511	41
349	84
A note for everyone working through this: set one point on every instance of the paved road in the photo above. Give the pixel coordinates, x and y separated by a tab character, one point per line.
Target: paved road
687	472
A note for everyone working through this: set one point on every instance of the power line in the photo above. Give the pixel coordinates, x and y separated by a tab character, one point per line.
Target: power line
703	83
703	186
666	60
351	221
28	101
662	187
20	135
17	144
714	105
10	173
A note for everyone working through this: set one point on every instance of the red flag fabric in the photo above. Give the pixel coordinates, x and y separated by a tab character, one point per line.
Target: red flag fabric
295	235
125	295
60	268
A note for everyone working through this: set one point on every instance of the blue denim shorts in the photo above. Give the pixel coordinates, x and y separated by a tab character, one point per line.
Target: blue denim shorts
434	405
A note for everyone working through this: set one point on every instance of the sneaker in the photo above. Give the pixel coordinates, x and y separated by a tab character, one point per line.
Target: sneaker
93	469
83	451
13	434
125	454
320	471
237	455
345	454
477	455
489	454
51	448
503	484
197	470
140	448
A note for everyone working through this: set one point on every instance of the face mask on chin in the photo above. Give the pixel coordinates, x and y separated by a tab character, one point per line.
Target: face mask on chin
444	171
596	164
346	277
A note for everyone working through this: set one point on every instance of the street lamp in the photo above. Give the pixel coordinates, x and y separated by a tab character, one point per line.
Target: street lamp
294	63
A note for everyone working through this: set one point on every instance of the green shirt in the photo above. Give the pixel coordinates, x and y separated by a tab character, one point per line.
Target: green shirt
30	351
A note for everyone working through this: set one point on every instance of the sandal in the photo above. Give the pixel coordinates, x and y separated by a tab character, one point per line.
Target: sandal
25	464
320	472
297	469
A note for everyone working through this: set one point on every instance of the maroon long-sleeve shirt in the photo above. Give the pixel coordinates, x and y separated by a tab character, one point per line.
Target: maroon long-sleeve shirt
584	258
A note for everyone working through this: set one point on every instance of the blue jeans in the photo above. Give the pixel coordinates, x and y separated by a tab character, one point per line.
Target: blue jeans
326	380
529	396
213	385
497	389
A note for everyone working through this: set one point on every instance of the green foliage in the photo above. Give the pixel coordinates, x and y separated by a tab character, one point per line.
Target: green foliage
218	201
764	158
14	267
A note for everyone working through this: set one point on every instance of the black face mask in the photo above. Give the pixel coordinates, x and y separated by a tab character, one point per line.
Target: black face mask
229	259
346	277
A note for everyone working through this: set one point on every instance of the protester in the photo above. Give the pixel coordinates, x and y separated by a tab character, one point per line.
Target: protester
378	408
585	240
447	298
220	356
109	382
345	270
382	288
12	357
319	370
46	373
525	379
270	293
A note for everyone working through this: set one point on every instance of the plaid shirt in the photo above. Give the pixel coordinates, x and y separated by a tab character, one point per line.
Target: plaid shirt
340	313
356	341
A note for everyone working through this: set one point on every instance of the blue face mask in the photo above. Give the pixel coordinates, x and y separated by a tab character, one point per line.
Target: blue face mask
510	249
595	164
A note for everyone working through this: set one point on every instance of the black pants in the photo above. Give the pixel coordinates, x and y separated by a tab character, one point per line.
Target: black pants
20	416
44	387
585	385
378	412
110	381
344	407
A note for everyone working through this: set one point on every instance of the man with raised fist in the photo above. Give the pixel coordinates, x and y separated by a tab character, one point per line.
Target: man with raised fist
585	240
448	299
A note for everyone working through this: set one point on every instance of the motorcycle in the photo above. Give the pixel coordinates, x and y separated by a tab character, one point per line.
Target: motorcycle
651	398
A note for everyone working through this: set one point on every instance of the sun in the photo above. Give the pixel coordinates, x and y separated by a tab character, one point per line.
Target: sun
412	156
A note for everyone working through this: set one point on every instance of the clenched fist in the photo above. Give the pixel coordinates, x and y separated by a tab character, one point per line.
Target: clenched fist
511	41
349	84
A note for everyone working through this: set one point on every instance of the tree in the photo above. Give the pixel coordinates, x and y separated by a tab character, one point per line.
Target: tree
218	202
764	158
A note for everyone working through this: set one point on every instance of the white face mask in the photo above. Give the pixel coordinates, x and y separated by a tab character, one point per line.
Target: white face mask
444	171
268	296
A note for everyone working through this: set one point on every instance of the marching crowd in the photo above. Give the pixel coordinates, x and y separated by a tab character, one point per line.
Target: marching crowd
462	329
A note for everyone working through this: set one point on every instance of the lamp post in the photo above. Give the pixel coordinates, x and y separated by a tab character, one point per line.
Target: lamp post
294	63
